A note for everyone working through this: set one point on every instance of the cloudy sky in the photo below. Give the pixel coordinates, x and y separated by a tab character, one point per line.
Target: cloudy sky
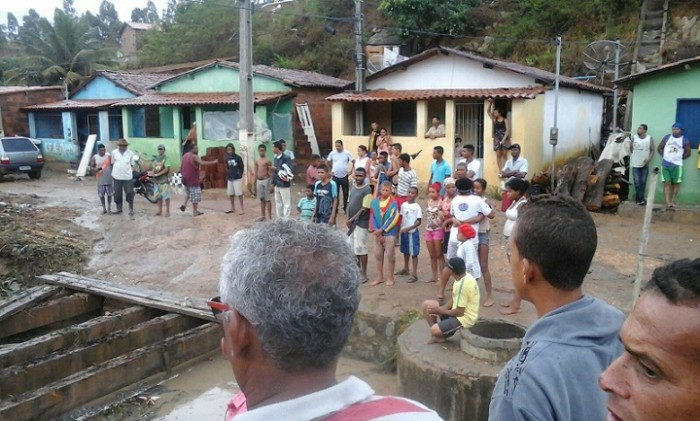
46	7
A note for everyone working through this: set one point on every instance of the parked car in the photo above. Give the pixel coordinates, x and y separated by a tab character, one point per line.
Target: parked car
20	155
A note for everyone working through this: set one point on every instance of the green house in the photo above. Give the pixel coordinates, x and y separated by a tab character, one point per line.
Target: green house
663	96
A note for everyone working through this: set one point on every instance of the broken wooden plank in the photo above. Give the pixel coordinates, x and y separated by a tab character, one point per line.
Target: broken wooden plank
75	335
20	379
87	385
195	307
26	298
48	313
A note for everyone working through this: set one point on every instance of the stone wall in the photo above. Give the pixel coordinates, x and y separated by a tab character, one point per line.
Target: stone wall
373	338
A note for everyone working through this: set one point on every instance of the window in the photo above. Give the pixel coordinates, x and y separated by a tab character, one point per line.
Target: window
403	118
49	126
150	122
220	125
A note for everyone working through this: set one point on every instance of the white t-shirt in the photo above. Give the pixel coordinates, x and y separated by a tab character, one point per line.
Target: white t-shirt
467	207
475	166
121	164
640	150
340	162
362	163
512	216
467	252
410	213
520	165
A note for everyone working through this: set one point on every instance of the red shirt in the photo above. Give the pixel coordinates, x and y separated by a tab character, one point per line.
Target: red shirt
311	175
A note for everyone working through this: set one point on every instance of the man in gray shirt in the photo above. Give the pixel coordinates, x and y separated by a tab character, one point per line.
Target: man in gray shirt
339	160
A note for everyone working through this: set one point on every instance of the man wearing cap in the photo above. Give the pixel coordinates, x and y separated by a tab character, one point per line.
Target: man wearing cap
674	148
281	179
459	312
160	171
515	167
123	163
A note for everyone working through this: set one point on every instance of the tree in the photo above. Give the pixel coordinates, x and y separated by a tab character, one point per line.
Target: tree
69	8
64	52
12	27
148	14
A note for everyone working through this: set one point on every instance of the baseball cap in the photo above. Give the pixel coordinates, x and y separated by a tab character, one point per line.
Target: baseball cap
161	147
456	265
467	231
677	125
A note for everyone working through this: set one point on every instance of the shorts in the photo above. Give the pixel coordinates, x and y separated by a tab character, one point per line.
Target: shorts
434	235
105	189
484	238
235	187
410	243
161	191
386	250
262	188
452	247
400	200
445	242
358	241
194	194
449	326
673	174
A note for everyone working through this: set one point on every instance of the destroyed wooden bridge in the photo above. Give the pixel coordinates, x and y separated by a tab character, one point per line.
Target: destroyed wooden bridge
74	340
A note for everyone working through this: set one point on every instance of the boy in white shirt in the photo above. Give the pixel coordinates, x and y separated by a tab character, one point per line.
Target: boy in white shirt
465	251
466	209
411	214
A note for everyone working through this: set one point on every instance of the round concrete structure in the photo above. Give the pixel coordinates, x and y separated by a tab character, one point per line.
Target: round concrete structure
492	340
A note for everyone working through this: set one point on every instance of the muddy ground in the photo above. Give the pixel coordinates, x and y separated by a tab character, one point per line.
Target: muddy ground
182	253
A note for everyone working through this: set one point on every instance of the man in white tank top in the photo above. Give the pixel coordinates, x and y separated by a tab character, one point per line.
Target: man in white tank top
674	148
642	151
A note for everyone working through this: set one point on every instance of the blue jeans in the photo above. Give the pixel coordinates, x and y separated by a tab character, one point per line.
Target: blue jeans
640	182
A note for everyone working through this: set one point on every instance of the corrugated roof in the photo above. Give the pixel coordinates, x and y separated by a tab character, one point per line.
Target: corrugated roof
72	104
211	98
180	67
661	69
540	75
300	78
383	95
13	89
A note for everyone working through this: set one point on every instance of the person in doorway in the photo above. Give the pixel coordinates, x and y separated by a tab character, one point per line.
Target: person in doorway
160	172
515	167
358	224
436	129
517	191
373	136
282	180
434	234
339	161
234	186
190	166
461	311
484	242
123	167
439	169
674	148
642	151
101	164
501	133
459	144
384	225
283	338
326	193
307	204
263	183
191	139
411	217
657	377
554	376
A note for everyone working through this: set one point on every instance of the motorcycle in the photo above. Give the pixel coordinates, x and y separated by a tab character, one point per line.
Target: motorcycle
143	184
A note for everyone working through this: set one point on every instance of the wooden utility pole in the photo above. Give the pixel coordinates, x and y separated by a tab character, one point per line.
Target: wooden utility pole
359	63
246	123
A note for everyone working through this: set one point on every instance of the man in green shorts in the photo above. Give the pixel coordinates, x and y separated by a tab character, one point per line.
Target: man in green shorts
674	148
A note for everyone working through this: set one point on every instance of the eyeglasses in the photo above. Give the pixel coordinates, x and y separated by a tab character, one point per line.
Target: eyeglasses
218	309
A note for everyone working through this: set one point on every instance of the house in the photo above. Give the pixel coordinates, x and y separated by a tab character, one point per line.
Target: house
453	85
13	120
129	36
665	95
63	126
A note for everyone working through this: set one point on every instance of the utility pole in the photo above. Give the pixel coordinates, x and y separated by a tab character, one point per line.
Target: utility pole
246	123
554	131
359	63
617	75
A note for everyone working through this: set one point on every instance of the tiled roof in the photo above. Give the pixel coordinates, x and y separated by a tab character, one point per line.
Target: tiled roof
678	65
180	67
543	76
136	83
211	98
13	89
383	95
72	104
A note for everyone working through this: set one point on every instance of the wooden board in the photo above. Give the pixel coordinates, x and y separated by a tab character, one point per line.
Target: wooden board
24	299
87	154
87	385
195	307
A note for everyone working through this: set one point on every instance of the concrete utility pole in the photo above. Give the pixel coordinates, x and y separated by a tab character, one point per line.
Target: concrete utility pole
359	63
554	131
617	75
246	123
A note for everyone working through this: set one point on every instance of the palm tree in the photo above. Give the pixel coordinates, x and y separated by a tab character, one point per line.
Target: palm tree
62	53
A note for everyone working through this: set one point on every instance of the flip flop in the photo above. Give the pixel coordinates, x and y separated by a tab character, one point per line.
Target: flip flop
229	211
412	279
199	213
402	272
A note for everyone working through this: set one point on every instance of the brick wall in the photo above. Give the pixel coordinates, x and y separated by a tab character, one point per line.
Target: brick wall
16	121
321	115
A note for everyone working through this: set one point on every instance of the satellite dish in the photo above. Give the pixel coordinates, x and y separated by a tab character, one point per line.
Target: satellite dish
599	56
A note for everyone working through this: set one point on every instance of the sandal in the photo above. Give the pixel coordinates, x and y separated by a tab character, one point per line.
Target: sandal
199	213
412	279
402	272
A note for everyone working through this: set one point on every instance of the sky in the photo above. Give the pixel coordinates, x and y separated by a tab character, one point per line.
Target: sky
45	8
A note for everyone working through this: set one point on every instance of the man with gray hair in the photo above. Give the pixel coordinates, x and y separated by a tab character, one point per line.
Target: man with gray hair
285	322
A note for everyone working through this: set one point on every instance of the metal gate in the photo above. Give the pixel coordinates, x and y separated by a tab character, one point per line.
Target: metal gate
469	125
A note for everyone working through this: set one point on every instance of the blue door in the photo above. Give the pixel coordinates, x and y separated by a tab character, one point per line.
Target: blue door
688	114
